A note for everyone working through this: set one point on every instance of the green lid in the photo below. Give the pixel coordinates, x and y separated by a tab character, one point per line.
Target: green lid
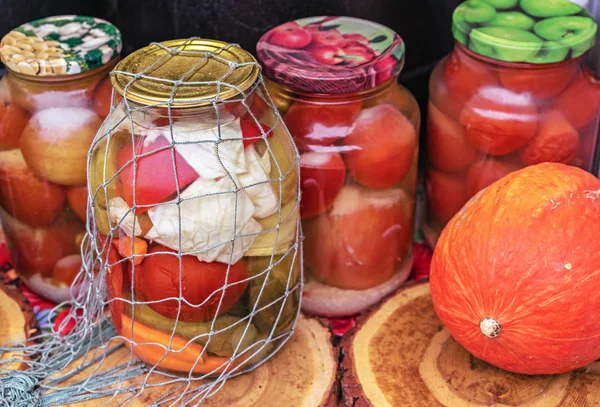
60	45
531	31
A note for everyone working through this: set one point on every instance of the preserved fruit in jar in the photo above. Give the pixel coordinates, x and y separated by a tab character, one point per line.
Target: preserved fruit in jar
514	92
48	119
195	203
334	81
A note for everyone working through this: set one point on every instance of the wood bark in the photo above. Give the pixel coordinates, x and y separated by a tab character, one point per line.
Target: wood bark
399	354
17	319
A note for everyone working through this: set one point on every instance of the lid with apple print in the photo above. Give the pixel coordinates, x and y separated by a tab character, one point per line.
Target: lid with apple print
526	31
331	55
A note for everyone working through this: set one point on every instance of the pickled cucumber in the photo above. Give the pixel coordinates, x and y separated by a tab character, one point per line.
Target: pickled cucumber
274	291
100	156
268	243
281	153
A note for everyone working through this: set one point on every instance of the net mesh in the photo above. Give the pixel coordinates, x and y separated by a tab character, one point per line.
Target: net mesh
241	212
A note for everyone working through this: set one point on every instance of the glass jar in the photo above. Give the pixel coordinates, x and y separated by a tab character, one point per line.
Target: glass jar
334	81
194	185
514	92
53	99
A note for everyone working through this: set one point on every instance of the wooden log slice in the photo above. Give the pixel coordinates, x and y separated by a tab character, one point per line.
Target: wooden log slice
400	355
302	373
17	319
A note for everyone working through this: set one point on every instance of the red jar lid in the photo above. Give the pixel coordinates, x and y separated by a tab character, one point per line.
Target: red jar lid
331	55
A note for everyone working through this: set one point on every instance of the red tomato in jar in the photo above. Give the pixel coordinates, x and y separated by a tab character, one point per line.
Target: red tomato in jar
13	120
498	121
155	178
587	146
580	102
32	250
158	278
362	241
542	85
103	96
24	195
254	110
77	197
254	104
35	250
162	119
380	148
66	269
556	141
487	171
322	176
252	131
462	77
446	195
447	145
320	124
259	106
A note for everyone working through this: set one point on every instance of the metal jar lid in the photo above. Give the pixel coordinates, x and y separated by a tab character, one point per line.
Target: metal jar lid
331	55
185	73
527	31
60	45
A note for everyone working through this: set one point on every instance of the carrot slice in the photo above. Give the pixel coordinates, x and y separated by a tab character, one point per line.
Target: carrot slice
140	247
183	357
183	351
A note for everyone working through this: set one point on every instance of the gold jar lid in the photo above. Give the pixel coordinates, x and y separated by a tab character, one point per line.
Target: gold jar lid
199	70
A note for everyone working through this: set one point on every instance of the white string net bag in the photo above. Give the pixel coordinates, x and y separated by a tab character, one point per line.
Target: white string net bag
192	259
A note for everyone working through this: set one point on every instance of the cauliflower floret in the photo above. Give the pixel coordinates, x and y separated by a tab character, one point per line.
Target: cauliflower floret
214	221
122	215
211	217
202	149
256	183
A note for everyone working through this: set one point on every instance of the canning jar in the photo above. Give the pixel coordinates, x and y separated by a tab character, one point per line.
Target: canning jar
334	81
53	99
194	190
514	92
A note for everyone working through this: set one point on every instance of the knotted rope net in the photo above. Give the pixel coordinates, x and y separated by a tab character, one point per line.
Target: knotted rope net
192	267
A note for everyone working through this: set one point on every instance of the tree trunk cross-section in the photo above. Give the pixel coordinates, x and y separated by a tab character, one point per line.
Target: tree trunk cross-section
399	354
17	319
302	374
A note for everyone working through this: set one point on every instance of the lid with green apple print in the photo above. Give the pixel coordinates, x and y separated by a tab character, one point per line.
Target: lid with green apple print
529	31
60	45
331	54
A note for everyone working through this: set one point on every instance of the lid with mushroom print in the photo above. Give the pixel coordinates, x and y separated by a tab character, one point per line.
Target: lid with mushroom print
60	45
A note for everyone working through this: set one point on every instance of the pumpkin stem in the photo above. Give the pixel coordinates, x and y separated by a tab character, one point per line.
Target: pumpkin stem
490	327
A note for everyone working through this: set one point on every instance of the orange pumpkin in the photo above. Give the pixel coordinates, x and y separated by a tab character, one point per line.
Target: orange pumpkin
514	276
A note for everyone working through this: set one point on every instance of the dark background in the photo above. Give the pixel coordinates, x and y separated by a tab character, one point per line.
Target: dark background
424	24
